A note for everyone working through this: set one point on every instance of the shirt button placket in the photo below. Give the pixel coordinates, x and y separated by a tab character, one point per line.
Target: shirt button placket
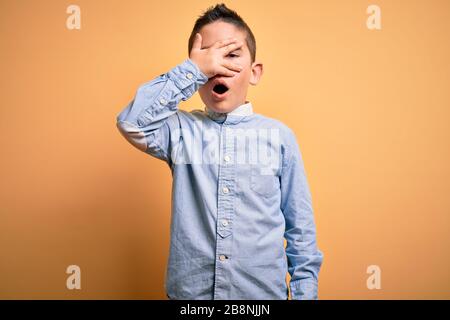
224	214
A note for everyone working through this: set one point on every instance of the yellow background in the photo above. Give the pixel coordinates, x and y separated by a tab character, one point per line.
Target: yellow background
370	110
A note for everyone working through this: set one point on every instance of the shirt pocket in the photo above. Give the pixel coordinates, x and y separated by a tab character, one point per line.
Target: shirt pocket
264	182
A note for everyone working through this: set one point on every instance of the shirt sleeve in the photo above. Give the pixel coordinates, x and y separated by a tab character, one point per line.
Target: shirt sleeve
149	121
304	258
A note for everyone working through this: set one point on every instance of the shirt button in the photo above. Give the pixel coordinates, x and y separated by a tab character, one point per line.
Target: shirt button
222	257
227	158
224	222
225	190
163	101
189	75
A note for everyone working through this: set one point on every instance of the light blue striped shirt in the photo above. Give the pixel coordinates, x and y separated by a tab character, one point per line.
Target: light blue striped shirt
239	189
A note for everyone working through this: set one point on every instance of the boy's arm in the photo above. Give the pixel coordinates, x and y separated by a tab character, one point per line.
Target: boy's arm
304	258
144	121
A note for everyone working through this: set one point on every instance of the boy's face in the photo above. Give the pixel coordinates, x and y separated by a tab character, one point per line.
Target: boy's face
237	85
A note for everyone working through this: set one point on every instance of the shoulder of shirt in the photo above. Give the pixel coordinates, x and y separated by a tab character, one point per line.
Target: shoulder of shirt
288	137
276	123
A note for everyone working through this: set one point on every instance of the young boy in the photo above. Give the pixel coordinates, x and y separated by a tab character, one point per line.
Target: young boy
239	184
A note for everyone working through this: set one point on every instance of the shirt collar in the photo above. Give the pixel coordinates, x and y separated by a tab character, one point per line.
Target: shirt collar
243	110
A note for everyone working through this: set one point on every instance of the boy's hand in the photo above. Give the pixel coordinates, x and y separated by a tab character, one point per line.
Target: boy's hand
211	61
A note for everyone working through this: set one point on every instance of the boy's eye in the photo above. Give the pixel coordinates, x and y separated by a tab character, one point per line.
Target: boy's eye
233	55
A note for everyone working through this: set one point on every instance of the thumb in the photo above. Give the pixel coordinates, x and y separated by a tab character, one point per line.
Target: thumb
197	41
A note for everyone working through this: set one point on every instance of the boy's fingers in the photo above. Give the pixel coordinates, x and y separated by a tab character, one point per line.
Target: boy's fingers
226	72
232	66
232	47
197	41
221	43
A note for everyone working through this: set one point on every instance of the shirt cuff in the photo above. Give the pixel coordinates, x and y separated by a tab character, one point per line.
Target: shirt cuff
303	290
187	77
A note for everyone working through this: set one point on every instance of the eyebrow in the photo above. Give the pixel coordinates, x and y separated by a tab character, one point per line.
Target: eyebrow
238	49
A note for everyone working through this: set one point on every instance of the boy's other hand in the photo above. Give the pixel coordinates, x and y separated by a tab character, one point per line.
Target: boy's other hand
211	61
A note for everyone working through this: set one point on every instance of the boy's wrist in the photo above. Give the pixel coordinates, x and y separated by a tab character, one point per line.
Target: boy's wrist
195	65
187	77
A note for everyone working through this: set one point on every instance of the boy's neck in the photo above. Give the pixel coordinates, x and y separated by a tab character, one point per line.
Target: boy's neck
244	109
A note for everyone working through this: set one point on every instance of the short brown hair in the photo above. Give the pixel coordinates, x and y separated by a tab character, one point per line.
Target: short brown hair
220	12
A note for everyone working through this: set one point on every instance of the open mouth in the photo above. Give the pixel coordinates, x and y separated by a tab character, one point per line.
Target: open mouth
220	88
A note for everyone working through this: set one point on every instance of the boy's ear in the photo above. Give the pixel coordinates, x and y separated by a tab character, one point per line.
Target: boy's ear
257	72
